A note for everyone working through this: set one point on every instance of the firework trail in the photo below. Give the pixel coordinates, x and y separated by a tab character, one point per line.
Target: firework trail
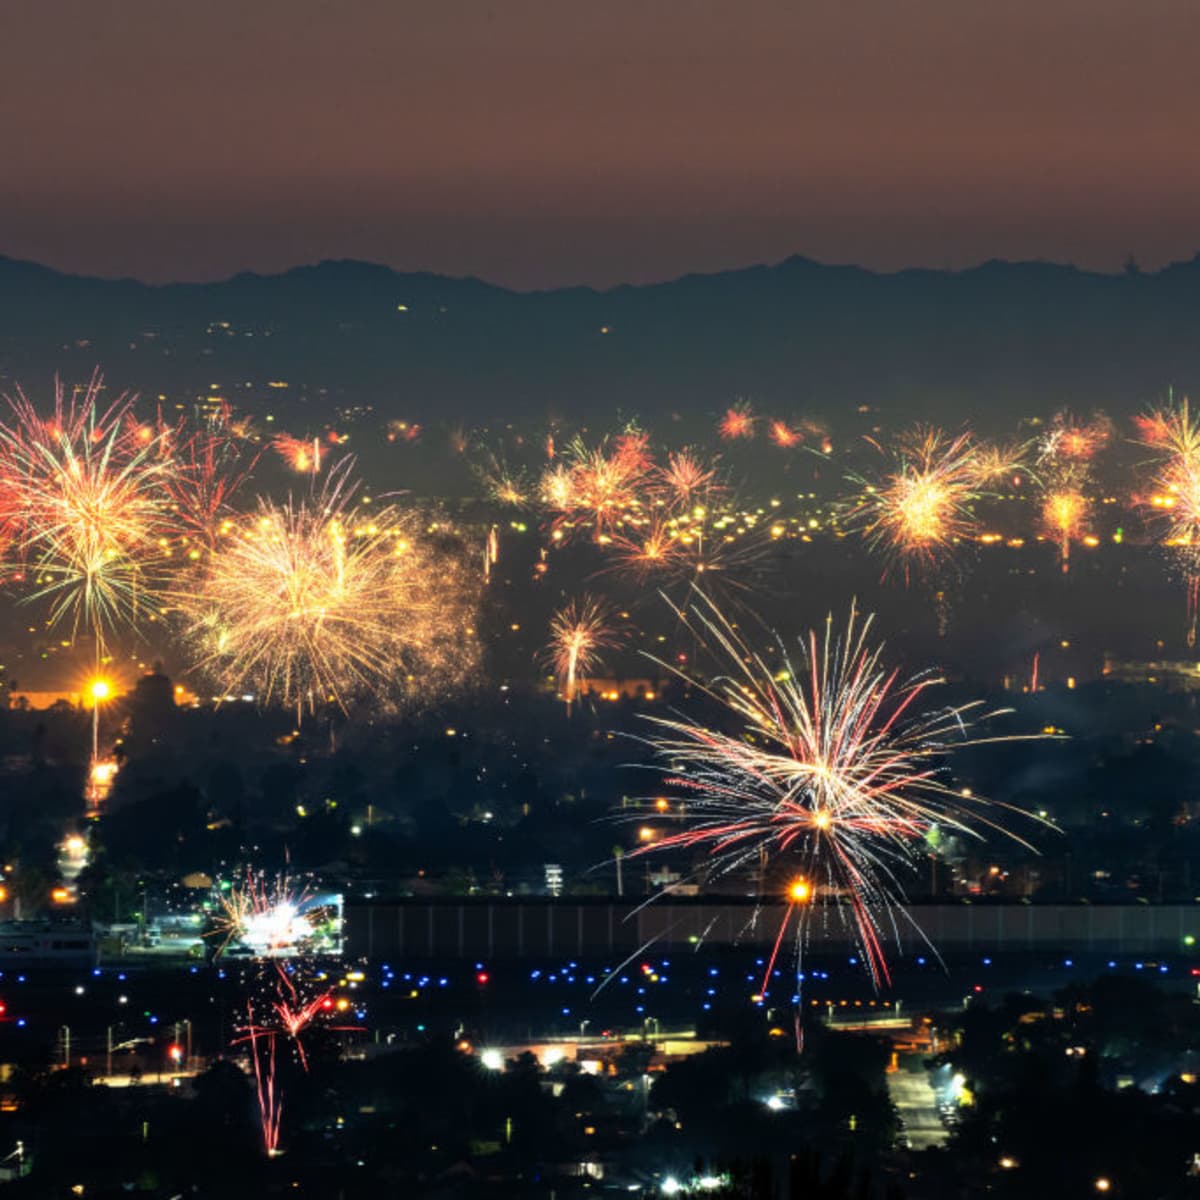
269	1097
829	771
87	507
307	604
1174	435
578	633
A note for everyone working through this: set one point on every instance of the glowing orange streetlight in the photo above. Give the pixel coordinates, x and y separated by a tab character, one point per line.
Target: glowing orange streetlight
99	690
800	891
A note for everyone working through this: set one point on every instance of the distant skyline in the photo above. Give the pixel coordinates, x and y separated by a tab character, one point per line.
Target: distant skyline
536	143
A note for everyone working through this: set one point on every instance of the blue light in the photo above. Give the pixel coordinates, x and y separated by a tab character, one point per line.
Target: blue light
95	971
713	971
1162	970
479	966
420	1028
920	963
20	978
566	1012
987	962
853	961
1111	963
534	974
640	1009
706	1006
153	1020
1067	962
590	979
21	1022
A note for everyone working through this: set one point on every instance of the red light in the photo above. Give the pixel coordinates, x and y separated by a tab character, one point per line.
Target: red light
327	1002
175	1051
979	987
482	977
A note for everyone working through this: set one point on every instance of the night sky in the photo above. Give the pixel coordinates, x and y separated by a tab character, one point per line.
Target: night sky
541	142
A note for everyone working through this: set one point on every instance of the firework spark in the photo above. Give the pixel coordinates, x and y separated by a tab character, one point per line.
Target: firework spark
578	633
309	604
830	768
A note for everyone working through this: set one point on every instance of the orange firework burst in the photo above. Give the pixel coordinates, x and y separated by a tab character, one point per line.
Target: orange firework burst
578	633
310	603
738	423
503	484
829	767
303	455
922	508
1175	492
785	436
597	486
1064	508
687	478
1070	440
997	462
87	503
649	552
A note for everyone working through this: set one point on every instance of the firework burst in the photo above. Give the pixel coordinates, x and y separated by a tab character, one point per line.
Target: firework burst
1174	434
87	505
922	508
738	422
579	632
686	478
308	603
830	769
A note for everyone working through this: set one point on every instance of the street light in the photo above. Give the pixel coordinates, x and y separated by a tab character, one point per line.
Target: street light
99	690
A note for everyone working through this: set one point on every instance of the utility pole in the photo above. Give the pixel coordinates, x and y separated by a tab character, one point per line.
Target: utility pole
108	1055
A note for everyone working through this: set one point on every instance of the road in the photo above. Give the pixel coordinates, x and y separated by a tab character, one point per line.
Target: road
915	1101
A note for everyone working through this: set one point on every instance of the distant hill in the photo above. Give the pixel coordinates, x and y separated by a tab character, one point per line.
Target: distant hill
988	344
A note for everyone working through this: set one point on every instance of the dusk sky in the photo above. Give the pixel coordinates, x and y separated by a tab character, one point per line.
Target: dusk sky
543	142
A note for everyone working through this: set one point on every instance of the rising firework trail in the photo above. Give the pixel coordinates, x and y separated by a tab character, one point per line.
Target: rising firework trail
828	769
